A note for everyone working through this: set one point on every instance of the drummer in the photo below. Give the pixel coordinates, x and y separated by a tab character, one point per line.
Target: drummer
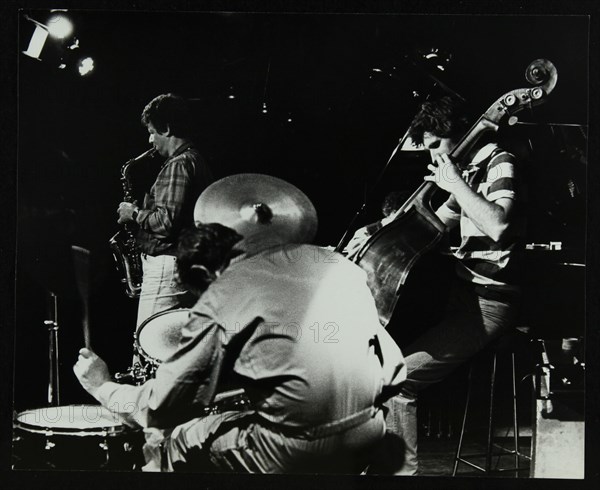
294	323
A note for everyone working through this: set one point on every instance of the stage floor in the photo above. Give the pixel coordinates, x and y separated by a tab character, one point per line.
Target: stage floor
436	456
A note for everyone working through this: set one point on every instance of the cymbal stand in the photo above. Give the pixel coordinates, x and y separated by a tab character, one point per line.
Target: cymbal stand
52	324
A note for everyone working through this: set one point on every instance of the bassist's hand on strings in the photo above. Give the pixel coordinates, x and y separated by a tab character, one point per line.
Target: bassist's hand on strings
445	173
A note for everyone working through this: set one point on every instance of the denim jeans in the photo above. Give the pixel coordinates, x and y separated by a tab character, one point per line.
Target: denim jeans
239	442
471	322
160	289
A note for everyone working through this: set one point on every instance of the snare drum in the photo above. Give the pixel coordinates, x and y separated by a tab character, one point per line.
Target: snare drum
79	437
158	337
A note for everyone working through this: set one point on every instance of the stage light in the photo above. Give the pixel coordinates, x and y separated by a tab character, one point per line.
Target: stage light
85	66
436	58
37	41
60	27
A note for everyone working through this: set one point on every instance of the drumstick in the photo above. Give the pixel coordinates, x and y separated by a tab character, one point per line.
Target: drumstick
81	263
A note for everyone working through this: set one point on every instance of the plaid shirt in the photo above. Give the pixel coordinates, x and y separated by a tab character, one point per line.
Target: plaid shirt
169	206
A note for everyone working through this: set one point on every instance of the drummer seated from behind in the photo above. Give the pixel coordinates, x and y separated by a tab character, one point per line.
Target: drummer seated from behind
298	330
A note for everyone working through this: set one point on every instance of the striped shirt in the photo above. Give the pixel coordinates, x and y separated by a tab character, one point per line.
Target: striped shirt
493	174
169	206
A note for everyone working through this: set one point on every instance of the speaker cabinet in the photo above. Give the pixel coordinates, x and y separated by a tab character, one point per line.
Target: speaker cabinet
558	433
557	446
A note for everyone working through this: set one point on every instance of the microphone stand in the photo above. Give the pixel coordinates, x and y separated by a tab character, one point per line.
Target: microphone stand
436	81
344	240
52	324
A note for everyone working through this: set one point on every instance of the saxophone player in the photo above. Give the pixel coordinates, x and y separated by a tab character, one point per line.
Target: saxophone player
168	206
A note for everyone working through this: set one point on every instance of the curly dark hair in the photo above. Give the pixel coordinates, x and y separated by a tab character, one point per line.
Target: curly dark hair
444	117
169	111
393	200
208	244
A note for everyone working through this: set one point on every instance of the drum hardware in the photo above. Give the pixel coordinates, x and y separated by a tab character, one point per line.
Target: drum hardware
52	325
155	340
136	375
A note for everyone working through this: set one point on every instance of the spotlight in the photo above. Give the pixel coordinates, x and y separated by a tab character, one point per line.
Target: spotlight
59	26
36	43
436	58
85	66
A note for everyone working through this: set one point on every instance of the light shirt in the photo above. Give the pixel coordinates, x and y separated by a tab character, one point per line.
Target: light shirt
298	326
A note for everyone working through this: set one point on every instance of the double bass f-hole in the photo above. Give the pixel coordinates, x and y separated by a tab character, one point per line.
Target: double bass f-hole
389	254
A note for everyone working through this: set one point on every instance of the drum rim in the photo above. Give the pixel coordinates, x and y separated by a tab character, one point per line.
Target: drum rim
136	336
102	430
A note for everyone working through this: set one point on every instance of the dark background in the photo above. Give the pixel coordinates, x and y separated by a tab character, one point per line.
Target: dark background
317	69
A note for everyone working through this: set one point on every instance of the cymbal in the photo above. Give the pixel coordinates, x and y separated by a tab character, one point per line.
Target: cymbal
259	206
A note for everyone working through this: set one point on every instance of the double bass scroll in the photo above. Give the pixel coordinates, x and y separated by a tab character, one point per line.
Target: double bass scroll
389	254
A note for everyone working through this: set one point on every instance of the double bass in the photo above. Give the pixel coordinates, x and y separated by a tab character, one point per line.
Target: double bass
391	253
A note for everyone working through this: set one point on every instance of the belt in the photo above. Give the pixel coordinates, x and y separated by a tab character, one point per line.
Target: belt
170	253
495	294
322	430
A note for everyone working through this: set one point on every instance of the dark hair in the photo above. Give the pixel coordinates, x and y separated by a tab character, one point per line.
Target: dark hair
392	201
169	111
209	245
444	117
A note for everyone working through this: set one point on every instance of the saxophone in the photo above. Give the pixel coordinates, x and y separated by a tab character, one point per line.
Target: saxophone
124	248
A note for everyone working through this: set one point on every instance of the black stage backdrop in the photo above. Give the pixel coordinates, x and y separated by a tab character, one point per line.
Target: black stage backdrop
339	92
